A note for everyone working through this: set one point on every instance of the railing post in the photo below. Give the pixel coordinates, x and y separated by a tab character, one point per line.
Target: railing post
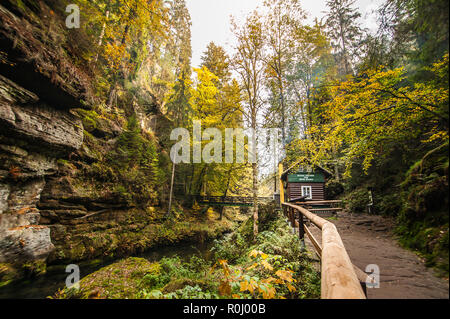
301	229
289	216
294	213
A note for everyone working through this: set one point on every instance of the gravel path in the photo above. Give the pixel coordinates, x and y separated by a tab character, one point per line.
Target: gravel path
369	240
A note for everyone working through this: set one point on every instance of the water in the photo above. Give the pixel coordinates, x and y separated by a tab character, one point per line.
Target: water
46	285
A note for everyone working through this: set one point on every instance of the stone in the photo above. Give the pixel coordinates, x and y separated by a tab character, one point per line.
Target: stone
25	243
25	194
36	62
28	164
45	129
49	131
4	194
12	220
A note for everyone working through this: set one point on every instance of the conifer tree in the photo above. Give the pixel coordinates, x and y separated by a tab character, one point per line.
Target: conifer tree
345	33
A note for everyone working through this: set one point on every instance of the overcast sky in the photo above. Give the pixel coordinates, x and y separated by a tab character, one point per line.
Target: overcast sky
211	19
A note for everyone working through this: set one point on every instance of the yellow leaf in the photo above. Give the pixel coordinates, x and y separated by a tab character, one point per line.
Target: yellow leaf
290	287
252	266
286	275
225	288
266	265
251	286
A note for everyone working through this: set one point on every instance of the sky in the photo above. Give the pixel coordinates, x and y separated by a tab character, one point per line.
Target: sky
211	19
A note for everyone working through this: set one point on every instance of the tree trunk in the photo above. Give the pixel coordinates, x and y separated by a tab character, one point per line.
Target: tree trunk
102	33
112	94
113	89
255	199
226	191
171	190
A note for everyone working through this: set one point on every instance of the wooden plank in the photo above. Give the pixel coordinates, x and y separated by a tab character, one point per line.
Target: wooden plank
314	241
301	229
324	209
316	220
318	202
362	276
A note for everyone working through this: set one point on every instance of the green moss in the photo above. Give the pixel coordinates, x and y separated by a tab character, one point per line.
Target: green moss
11	272
138	231
34	268
89	119
116	281
423	219
8	273
62	161
197	278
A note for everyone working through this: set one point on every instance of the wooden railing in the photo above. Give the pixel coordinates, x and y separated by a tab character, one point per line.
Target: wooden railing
228	200
321	206
340	278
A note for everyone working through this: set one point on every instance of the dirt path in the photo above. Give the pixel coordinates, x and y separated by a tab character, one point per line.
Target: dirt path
369	240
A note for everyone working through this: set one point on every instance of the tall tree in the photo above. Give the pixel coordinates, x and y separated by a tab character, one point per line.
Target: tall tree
279	24
180	51
345	32
217	61
308	67
417	31
248	62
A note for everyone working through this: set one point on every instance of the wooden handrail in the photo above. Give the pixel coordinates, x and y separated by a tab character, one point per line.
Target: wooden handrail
331	209
319	202
339	278
362	276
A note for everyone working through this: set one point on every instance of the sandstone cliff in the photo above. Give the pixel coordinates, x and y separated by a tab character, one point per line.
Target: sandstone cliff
51	132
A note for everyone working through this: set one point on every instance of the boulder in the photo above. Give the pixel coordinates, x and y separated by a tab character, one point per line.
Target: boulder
24	243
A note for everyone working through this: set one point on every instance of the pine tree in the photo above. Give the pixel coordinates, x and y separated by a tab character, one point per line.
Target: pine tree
345	32
217	61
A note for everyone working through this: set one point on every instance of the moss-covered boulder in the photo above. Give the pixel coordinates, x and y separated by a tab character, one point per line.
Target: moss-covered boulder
119	280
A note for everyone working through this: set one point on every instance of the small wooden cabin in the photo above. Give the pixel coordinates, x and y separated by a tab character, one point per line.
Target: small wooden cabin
306	181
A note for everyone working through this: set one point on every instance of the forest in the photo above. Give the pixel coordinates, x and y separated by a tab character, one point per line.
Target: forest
86	174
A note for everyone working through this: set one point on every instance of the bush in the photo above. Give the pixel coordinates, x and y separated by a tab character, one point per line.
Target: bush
357	200
423	218
333	189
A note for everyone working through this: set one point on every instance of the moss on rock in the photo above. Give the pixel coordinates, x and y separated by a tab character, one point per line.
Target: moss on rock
120	280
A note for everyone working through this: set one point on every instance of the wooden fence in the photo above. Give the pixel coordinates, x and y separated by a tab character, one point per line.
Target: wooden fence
228	200
340	278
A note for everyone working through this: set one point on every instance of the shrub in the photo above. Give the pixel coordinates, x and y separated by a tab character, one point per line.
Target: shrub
333	189
357	200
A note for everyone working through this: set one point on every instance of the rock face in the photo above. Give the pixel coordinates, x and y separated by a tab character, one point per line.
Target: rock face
60	200
43	133
38	89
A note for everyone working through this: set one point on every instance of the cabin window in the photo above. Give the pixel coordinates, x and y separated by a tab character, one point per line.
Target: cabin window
306	191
